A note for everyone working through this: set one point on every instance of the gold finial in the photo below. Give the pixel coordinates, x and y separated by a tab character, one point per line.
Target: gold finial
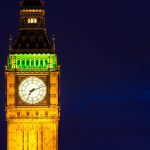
53	41
10	41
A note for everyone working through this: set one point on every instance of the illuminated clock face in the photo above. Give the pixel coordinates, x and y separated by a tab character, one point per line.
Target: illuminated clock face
32	90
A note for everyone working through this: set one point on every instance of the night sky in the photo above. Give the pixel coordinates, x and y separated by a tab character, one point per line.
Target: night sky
104	52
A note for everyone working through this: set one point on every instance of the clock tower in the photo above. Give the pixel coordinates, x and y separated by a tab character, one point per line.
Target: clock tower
32	83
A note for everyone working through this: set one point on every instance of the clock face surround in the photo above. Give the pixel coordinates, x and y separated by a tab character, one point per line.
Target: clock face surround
32	90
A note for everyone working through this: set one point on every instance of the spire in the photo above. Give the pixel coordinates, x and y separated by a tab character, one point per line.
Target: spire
27	4
32	36
53	42
10	41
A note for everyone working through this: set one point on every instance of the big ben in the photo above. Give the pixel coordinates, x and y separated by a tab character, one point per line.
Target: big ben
32	77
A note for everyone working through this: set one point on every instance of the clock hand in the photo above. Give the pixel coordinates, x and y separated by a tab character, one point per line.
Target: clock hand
31	91
28	96
39	87
34	89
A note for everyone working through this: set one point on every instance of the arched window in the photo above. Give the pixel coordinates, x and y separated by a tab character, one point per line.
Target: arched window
27	63
9	62
32	63
41	63
32	20
46	63
29	20
37	63
18	63
23	64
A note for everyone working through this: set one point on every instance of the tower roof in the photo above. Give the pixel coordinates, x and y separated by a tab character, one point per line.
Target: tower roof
28	4
32	41
32	37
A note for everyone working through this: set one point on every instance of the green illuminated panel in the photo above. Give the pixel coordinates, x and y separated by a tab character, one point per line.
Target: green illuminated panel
30	62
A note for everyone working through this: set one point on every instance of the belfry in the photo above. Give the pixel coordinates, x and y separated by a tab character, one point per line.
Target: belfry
32	77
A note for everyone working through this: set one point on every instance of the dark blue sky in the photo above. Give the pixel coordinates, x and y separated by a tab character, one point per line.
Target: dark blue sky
104	51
